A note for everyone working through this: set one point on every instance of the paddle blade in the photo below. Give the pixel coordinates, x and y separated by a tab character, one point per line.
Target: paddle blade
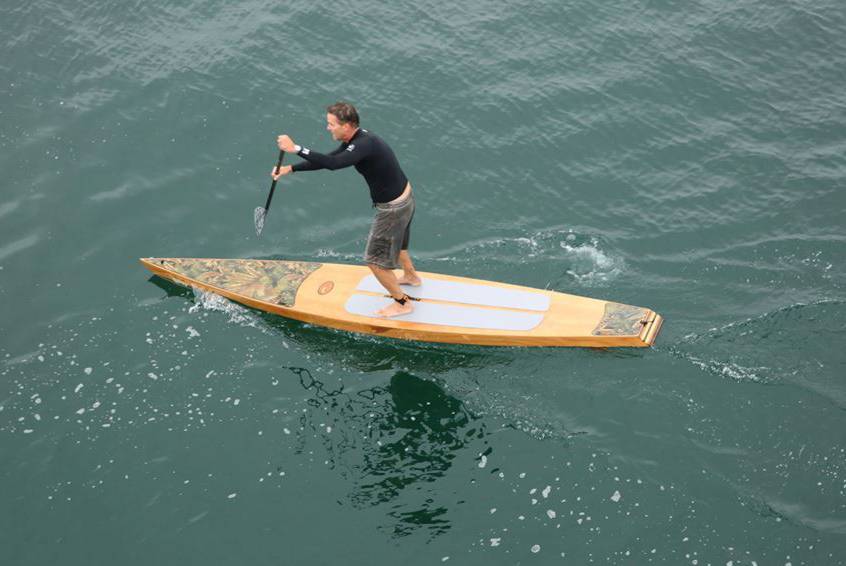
259	215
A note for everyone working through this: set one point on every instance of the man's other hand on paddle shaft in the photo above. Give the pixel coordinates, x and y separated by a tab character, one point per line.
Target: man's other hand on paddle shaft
287	145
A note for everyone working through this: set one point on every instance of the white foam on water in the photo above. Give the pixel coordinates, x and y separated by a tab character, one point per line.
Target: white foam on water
581	255
590	263
196	518
332	254
205	300
731	370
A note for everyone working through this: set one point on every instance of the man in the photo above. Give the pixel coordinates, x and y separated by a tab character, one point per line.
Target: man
390	191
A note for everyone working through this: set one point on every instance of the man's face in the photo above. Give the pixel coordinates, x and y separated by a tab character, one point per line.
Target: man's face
339	131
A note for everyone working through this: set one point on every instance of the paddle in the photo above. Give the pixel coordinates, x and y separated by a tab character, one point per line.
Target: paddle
261	213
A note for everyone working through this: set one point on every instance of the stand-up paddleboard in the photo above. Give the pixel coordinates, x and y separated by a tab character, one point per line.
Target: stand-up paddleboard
451	309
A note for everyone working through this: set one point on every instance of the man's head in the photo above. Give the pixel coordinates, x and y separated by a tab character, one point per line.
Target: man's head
341	120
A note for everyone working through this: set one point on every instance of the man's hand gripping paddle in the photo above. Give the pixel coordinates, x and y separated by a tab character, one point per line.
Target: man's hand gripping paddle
261	212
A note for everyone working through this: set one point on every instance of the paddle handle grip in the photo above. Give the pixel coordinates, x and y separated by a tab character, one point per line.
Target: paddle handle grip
273	184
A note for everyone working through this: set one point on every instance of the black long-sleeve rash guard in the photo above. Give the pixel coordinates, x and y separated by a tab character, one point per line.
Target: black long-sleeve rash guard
372	157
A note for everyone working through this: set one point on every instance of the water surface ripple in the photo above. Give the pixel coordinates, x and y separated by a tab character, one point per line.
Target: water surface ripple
686	157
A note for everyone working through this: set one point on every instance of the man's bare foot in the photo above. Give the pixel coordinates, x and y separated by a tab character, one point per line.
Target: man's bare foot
413	280
395	309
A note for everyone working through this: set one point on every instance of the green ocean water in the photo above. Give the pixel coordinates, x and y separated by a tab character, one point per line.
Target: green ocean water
687	157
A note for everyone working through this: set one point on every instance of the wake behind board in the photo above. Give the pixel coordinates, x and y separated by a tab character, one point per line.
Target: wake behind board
451	309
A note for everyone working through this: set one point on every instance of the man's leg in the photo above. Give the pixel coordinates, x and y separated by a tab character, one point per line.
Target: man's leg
409	275
389	281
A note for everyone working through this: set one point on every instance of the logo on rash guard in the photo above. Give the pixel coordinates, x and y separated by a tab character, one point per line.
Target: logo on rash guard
351	147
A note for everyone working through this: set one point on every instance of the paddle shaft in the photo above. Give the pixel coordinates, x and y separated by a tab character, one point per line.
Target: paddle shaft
273	184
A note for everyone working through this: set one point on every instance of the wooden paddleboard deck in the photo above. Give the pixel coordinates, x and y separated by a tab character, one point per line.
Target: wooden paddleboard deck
451	309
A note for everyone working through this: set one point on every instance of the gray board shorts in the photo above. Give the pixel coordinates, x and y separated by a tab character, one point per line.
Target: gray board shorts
389	232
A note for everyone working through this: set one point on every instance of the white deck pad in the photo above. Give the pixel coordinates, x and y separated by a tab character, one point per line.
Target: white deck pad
448	315
467	293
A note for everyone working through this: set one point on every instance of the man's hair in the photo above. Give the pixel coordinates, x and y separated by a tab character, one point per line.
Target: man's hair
344	112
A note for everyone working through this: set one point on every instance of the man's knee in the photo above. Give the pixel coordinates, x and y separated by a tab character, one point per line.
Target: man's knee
376	267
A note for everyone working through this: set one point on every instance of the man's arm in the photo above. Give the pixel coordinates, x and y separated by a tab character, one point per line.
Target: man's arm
311	166
338	159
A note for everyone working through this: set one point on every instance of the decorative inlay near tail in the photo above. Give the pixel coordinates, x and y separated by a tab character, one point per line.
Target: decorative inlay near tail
621	320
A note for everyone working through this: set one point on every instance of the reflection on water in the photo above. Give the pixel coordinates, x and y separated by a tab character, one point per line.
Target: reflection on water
392	443
169	287
371	353
359	351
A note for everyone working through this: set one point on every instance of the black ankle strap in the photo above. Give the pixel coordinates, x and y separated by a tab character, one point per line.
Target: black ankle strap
404	299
